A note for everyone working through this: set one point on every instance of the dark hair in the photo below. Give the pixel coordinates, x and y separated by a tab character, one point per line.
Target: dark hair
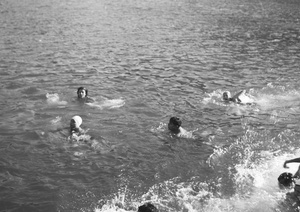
147	207
285	179
82	88
176	121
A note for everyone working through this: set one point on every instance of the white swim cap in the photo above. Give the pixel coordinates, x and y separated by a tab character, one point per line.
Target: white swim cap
78	120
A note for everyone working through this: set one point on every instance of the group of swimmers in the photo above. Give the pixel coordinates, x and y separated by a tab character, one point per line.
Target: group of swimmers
76	131
285	180
174	124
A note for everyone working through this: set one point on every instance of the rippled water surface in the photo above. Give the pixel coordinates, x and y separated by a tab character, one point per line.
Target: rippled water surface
143	62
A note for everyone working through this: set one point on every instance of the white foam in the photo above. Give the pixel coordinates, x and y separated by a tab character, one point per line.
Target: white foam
269	102
53	99
108	103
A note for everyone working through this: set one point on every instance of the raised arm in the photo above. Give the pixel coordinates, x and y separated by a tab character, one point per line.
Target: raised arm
295	160
238	94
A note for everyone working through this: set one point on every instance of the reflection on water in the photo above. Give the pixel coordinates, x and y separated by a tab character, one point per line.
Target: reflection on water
144	62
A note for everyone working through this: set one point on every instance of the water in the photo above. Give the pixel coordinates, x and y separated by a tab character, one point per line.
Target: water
143	62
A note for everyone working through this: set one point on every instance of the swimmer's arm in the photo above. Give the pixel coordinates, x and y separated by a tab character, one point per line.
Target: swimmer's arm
79	131
236	96
73	136
297	174
82	131
185	133
295	160
181	132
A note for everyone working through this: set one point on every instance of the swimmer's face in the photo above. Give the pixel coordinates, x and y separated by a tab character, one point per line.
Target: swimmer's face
81	93
226	95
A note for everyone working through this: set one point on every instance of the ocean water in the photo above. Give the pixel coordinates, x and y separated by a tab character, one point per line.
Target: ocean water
144	62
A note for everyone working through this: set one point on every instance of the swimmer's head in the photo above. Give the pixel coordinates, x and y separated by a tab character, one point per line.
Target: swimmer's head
147	207
174	124
285	180
75	123
226	95
82	92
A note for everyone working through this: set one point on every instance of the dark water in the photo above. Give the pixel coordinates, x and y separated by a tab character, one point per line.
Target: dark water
143	62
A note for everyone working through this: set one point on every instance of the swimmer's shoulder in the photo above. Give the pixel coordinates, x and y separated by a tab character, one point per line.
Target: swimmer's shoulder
85	100
89	100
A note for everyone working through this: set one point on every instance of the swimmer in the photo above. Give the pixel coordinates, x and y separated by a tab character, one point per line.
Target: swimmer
82	94
147	207
77	134
175	127
240	97
227	97
74	132
287	179
75	123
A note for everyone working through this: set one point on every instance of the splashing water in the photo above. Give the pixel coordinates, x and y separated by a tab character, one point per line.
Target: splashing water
53	99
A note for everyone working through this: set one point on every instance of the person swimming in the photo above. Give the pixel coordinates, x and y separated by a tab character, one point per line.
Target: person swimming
147	207
75	123
82	94
287	180
227	97
79	135
76	132
174	126
240	97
